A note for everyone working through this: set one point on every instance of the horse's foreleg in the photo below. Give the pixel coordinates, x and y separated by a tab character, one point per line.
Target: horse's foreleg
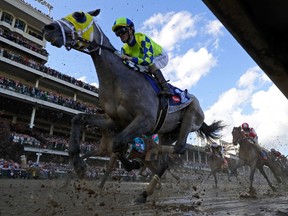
229	174
233	170
74	147
251	177
110	167
153	183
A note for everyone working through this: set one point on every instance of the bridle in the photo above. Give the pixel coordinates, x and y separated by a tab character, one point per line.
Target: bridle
239	138
78	42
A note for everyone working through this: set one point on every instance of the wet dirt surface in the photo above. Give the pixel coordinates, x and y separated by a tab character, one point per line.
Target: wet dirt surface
193	196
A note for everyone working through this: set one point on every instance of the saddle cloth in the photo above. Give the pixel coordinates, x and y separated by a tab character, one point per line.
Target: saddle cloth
178	101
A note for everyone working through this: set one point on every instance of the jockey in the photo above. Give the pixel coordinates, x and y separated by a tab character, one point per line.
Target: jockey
217	149
278	156
137	152
141	149
251	134
276	153
142	50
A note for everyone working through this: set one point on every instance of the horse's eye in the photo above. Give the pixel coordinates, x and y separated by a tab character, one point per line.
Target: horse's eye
79	17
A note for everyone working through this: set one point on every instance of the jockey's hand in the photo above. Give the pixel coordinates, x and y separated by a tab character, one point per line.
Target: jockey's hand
126	57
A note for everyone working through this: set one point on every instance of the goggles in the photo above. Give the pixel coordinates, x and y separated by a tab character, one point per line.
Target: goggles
121	31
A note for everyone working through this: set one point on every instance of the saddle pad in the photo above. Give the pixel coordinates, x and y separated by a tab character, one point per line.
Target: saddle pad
178	101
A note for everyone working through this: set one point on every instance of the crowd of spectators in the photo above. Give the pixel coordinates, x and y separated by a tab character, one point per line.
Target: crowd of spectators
52	97
25	60
53	143
52	170
19	39
12	169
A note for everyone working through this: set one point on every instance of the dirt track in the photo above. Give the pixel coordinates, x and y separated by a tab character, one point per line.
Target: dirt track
192	196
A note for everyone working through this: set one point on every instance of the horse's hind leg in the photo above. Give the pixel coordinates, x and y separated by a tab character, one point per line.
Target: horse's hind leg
266	177
174	175
74	147
191	121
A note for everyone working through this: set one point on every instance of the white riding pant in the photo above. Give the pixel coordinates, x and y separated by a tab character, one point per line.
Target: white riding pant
161	61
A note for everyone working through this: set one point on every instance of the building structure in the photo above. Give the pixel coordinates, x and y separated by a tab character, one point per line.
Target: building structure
33	95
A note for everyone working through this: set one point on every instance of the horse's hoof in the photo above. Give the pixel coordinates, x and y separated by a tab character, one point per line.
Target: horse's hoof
80	167
140	200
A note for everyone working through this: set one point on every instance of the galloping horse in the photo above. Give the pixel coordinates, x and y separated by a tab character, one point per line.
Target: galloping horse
216	165
126	96
249	155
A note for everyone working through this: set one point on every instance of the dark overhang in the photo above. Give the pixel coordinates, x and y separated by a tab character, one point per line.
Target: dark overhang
261	28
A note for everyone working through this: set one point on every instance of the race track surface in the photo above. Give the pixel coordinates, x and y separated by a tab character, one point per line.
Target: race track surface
193	196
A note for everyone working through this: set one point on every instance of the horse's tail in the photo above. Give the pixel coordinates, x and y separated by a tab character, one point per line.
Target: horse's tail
210	132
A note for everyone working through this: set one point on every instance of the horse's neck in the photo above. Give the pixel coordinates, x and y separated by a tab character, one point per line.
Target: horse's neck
109	66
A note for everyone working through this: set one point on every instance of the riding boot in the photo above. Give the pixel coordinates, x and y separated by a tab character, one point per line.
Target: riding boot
163	83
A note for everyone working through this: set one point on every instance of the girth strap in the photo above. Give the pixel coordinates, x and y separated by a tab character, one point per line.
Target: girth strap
162	113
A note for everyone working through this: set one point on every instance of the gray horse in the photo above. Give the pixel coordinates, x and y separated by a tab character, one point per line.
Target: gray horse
130	103
249	155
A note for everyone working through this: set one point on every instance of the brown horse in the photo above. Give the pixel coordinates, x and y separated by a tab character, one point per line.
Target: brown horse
278	168
8	149
217	165
249	154
126	96
105	149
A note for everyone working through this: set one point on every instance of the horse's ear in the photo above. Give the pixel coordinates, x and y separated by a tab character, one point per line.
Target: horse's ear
94	13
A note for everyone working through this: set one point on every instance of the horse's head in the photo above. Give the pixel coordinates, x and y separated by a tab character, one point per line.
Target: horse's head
73	31
236	135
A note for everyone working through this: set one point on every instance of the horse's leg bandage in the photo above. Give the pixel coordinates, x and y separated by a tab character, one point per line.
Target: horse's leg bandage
152	185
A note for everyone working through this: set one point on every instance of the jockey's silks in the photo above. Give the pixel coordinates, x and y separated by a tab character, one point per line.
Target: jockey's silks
143	47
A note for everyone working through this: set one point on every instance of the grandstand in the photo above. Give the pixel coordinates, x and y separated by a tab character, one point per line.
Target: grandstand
34	97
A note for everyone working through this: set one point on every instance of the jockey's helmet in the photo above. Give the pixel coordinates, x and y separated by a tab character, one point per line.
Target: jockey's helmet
273	150
245	126
122	22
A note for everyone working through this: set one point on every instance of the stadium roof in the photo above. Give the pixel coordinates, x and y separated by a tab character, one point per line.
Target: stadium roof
261	28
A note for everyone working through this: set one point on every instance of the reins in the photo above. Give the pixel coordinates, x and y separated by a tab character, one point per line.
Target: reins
240	138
